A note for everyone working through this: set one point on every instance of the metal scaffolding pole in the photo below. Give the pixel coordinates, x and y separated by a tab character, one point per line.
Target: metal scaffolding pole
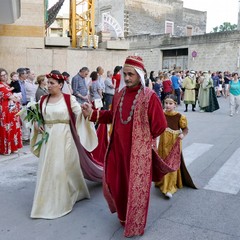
82	23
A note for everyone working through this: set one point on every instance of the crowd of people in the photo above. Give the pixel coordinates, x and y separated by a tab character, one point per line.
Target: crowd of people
78	112
198	88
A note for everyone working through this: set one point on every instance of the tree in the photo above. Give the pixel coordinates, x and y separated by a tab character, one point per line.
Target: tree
226	26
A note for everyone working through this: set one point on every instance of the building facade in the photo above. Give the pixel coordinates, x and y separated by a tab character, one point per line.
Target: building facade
23	44
137	17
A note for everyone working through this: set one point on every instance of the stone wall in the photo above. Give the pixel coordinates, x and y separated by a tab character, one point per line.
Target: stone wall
150	17
218	51
141	16
215	51
43	60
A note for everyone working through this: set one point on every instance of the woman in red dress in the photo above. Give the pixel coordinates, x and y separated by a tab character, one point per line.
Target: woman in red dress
10	129
116	76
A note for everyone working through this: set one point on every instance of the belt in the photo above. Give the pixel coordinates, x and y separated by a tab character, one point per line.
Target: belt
56	121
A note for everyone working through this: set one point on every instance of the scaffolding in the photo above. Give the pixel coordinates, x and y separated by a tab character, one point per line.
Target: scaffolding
82	23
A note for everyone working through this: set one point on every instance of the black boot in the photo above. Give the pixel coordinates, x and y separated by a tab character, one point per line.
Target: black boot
186	105
193	107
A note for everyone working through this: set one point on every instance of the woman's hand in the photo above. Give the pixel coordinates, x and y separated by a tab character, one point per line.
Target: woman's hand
39	128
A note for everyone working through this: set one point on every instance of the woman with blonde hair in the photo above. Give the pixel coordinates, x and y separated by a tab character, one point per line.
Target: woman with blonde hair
42	87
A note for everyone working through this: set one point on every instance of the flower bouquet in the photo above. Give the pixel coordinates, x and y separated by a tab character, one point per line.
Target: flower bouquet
34	116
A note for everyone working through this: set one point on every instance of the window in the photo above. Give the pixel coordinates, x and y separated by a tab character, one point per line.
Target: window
169	27
189	30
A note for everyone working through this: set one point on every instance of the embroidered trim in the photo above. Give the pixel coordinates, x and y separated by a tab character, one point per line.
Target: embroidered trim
173	131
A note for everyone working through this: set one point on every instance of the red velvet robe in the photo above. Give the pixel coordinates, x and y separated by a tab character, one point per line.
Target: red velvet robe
128	162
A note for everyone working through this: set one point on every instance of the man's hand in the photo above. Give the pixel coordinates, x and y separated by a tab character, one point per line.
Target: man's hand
86	109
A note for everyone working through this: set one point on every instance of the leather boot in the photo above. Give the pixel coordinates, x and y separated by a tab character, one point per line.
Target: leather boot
193	108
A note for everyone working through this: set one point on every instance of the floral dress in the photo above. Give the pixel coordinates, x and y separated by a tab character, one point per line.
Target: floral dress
10	128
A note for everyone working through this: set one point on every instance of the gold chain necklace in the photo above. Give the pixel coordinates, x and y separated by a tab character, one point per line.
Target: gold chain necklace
132	107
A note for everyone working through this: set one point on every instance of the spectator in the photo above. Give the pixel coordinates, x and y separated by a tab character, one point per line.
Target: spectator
10	131
30	86
100	72
116	76
95	90
79	86
109	90
234	92
42	87
67	88
24	101
176	87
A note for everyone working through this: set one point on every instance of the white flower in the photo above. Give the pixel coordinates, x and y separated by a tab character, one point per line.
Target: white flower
32	105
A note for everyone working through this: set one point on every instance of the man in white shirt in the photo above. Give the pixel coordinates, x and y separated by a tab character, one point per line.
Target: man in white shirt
100	72
109	90
30	86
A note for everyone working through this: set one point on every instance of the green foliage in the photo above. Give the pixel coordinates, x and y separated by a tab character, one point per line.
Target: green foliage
226	26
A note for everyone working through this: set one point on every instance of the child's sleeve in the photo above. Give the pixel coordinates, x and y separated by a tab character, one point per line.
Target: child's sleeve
183	124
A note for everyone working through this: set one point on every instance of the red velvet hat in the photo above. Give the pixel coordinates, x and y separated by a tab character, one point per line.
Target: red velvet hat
134	61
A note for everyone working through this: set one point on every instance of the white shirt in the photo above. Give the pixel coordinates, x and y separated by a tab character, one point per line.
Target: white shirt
31	89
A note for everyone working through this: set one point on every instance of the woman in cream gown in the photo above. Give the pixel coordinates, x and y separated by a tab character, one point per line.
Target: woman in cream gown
60	181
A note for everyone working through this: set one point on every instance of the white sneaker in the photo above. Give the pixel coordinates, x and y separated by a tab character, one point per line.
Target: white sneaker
168	195
231	114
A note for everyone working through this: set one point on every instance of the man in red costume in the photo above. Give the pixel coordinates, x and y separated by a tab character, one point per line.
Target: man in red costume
137	118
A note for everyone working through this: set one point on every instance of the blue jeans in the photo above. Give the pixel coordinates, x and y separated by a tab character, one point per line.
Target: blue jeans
108	101
178	94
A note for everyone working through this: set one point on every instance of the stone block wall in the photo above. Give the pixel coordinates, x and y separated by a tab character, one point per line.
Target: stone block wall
150	17
215	51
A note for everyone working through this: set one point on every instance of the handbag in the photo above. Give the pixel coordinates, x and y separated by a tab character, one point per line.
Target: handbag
98	103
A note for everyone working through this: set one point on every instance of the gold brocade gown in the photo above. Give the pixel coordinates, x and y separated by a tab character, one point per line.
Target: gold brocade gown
177	124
